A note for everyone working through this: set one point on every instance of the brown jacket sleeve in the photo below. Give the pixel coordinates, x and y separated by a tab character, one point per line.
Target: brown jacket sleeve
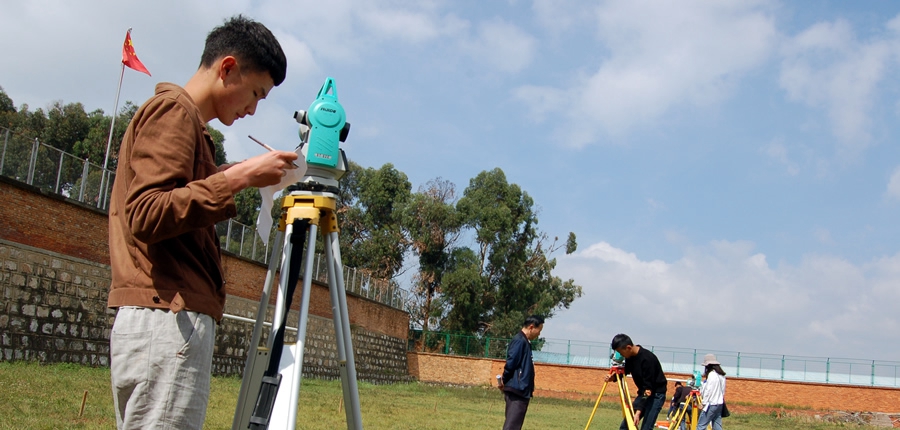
176	186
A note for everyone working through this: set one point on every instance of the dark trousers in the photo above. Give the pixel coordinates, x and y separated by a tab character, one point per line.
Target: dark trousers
516	406
652	406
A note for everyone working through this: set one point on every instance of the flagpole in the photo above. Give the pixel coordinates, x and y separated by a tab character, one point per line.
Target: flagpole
112	125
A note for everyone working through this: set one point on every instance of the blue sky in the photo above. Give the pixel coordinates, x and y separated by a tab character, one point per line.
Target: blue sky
729	163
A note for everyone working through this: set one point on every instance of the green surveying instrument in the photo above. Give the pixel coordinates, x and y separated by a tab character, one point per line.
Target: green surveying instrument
271	381
617	372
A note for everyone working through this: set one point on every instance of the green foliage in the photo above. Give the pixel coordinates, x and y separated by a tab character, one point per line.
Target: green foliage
433	226
247	202
219	140
571	244
515	273
370	212
6	104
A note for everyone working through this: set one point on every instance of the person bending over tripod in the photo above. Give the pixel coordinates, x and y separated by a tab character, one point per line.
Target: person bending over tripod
648	375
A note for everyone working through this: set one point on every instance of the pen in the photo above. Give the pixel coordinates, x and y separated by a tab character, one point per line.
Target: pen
266	146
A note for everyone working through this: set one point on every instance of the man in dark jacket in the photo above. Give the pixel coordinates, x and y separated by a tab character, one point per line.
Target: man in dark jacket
517	381
648	375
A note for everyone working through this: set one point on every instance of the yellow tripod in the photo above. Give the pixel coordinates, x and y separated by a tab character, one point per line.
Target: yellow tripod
617	372
693	401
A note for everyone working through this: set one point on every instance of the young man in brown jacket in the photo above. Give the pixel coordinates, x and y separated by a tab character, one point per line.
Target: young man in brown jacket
167	280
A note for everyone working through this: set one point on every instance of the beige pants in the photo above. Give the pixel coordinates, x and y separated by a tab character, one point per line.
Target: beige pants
160	363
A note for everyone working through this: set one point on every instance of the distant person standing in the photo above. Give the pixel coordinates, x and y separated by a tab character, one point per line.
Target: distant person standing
648	375
712	392
517	380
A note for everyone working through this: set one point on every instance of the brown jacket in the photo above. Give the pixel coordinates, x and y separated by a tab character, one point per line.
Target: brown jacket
166	199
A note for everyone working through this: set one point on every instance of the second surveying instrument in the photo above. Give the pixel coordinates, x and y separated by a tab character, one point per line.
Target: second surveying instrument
692	402
271	382
617	371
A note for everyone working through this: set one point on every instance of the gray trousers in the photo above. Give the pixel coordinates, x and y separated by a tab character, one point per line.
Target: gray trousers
516	406
160	365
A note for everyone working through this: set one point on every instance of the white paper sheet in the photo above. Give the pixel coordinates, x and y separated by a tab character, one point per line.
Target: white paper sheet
264	220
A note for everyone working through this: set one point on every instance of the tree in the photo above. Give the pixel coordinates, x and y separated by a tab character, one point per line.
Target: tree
433	226
247	203
219	140
6	104
512	258
370	211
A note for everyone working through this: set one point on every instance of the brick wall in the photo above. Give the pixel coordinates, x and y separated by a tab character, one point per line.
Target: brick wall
565	381
54	279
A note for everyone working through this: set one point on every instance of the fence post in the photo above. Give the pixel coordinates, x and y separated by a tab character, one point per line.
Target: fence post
241	249
487	347
782	368
32	162
446	343
694	369
739	364
569	351
873	372
84	179
3	156
827	370
59	172
228	235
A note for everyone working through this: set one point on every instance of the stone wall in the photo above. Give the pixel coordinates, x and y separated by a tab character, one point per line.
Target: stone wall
52	307
552	380
54	280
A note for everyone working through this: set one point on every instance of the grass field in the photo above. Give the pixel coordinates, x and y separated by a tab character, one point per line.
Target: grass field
50	397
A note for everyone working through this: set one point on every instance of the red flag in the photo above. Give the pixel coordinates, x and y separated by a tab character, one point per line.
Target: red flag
129	58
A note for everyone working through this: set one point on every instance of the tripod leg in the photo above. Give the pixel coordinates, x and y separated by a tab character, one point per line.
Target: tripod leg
250	385
297	368
625	397
342	330
605	383
695	413
295	235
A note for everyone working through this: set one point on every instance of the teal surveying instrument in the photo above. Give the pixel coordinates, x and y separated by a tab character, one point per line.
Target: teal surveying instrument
617	372
271	381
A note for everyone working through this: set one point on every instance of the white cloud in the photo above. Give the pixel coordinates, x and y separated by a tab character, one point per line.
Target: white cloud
502	45
777	151
827	67
559	15
727	296
893	186
661	55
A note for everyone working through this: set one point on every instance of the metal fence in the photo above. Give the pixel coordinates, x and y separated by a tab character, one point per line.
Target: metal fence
826	370
52	170
45	167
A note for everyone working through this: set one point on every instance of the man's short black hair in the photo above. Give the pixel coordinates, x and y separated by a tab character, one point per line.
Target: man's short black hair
255	47
534	320
619	341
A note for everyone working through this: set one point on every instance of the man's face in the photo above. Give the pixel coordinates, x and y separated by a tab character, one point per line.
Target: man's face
532	332
241	91
627	351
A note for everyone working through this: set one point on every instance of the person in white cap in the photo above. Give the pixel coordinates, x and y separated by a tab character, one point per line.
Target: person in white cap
712	392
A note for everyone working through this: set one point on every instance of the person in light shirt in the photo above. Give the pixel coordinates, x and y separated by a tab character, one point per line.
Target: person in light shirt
712	392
